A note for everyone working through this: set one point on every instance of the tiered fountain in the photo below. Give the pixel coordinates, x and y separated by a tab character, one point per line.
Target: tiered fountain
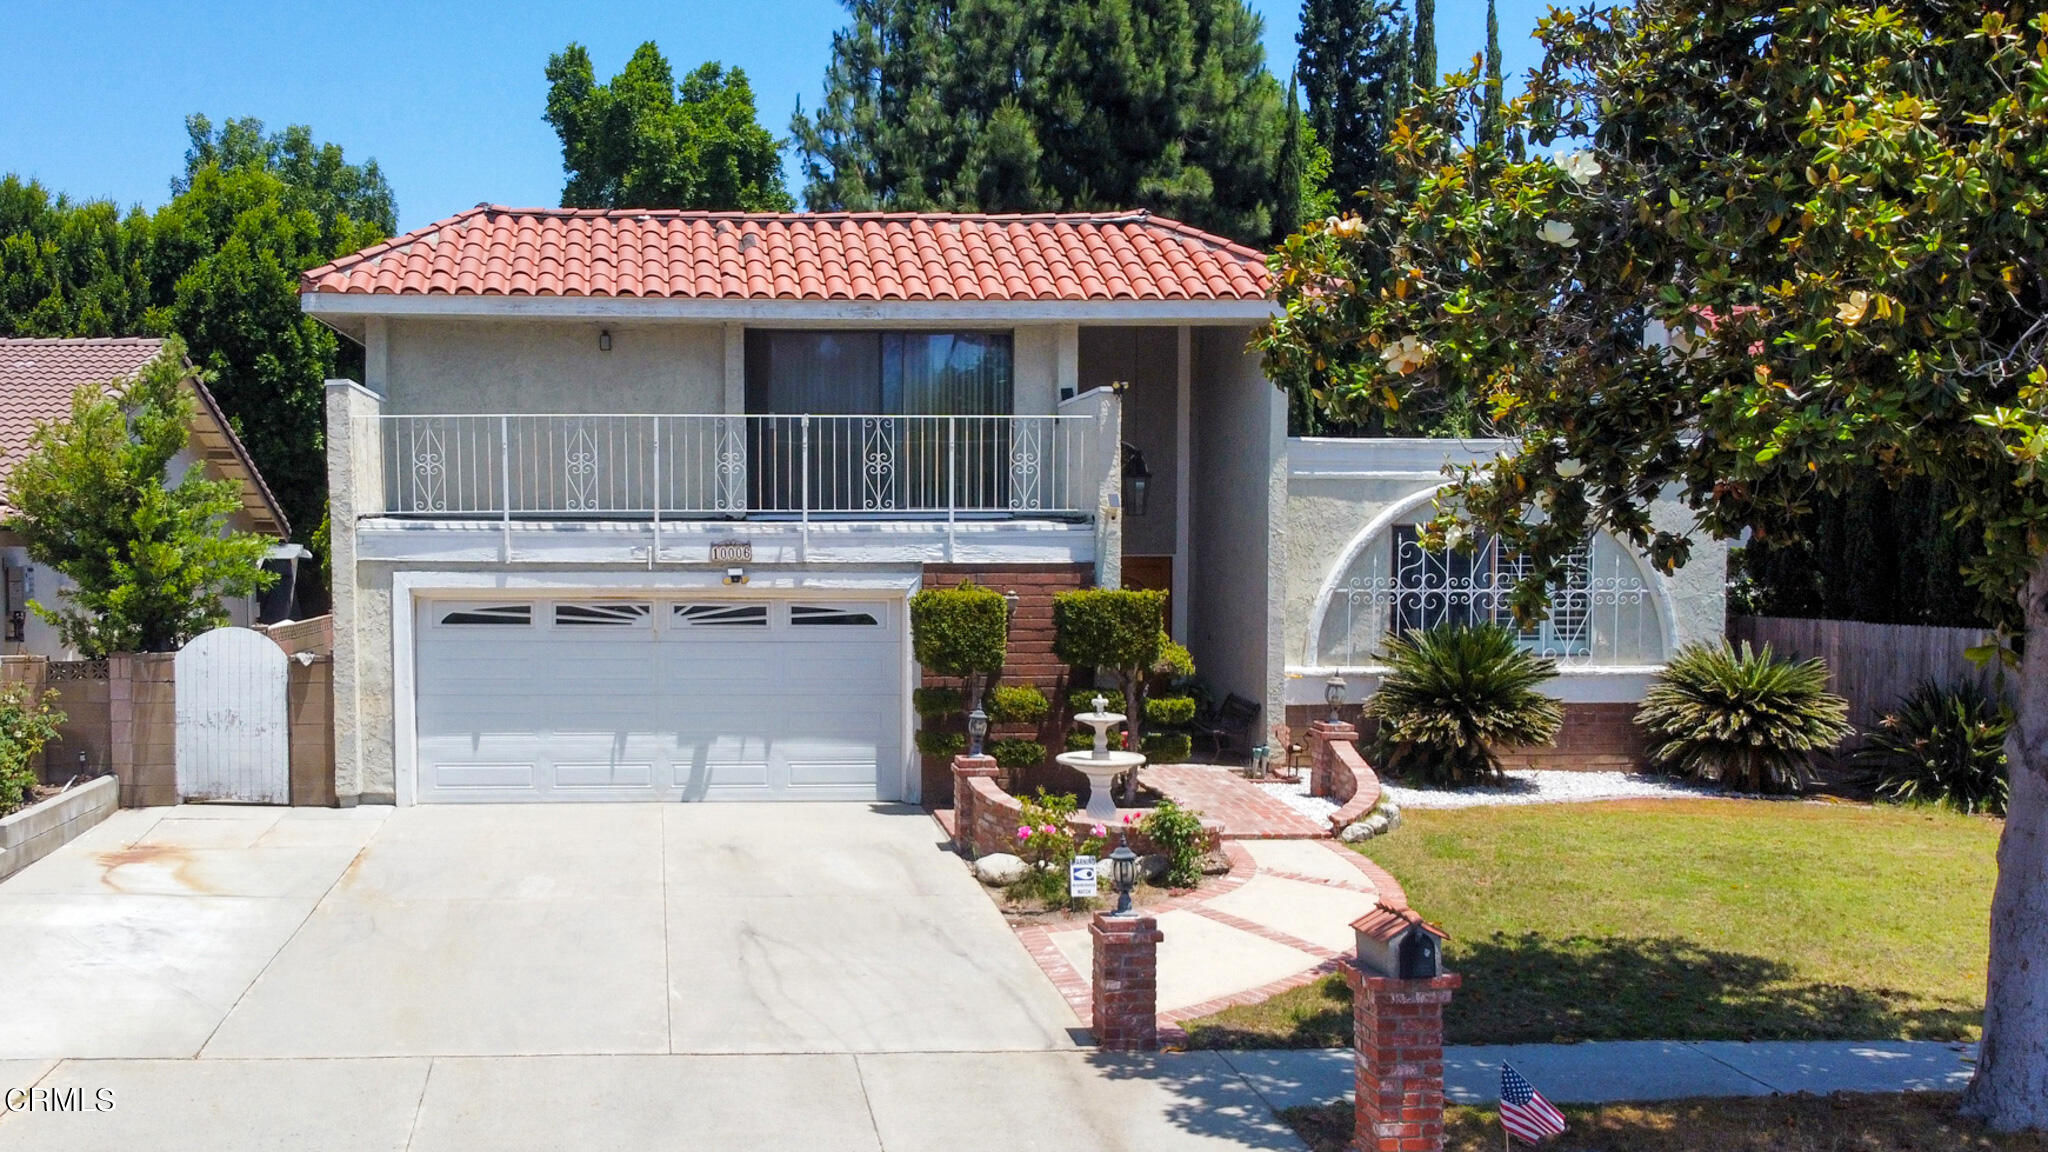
1101	765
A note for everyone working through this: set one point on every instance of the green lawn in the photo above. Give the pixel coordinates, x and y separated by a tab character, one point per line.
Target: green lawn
1710	919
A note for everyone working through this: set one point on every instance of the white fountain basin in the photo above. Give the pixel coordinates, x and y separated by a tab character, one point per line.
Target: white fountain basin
1102	765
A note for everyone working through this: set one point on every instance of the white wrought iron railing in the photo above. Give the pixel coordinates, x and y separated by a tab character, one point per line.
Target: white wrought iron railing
722	467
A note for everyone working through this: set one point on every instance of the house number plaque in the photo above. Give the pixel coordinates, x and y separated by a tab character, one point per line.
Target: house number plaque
732	552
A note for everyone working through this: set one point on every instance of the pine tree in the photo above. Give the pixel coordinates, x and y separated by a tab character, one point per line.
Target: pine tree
1425	44
1047	106
1354	68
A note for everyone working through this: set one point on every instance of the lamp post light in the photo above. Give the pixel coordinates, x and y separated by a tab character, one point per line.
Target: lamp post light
977	727
1123	872
1333	694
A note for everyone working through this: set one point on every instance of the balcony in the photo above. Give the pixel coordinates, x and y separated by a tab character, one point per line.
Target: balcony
732	467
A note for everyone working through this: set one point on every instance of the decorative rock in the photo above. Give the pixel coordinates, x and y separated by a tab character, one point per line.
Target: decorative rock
1392	812
1356	833
1152	867
1000	869
1215	864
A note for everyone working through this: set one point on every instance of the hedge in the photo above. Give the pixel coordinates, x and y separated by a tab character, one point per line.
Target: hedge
932	742
1118	628
1016	704
959	631
1169	711
933	702
1083	700
1015	754
1168	747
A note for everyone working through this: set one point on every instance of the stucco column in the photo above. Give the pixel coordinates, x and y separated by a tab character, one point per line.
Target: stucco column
355	487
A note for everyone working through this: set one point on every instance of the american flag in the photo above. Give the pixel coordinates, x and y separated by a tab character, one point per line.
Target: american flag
1523	1110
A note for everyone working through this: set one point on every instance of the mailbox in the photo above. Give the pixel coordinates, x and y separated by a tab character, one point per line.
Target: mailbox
1399	943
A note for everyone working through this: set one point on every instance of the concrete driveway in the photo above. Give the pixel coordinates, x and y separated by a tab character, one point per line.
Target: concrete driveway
550	976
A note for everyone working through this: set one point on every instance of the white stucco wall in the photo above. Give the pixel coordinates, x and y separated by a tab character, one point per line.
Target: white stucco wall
1338	489
466	365
1240	555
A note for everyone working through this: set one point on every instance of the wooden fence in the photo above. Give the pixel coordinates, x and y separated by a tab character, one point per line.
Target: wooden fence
1871	665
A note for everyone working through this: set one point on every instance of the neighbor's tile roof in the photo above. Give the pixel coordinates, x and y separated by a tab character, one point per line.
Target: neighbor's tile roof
496	251
37	378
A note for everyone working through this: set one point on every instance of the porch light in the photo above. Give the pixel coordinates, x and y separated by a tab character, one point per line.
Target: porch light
1137	479
1333	694
977	727
604	340
1123	873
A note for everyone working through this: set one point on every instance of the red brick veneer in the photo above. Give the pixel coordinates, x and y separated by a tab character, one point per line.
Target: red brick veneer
1339	772
1594	738
1124	1004
986	818
1030	659
1398	1035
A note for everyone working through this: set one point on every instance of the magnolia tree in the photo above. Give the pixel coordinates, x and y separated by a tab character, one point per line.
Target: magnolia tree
1755	252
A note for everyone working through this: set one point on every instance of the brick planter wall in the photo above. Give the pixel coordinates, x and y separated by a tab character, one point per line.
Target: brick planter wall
1595	737
1029	656
1124	993
1339	772
985	818
1398	1036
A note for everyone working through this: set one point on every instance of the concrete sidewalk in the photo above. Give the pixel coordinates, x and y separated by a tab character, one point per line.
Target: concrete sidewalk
1605	1072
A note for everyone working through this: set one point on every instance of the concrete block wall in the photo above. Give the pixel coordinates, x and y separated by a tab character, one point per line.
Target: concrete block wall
309	707
142	726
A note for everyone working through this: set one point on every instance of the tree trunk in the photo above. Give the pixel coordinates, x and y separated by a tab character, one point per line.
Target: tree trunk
2010	1090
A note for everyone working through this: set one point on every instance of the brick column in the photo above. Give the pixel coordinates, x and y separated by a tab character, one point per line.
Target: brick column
1398	1037
966	768
1125	1016
1322	757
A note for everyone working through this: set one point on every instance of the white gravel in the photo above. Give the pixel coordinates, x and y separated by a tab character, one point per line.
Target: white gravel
1536	786
1295	795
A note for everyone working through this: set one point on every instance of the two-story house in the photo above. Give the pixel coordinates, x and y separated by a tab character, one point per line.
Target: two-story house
629	503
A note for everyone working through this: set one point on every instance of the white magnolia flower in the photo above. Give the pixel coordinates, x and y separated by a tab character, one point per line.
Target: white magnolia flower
1557	232
1851	311
1406	354
1348	226
1581	166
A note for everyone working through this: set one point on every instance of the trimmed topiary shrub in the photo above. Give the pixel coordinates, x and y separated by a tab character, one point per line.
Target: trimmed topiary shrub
933	742
1452	695
1083	700
1744	718
1943	745
1080	740
1168	747
936	702
1169	711
1017	754
959	631
1016	704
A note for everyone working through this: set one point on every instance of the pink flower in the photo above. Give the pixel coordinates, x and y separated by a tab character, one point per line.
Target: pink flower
1023	833
1049	830
1130	816
1098	830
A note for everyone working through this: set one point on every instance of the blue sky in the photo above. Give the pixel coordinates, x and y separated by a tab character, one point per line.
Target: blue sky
447	97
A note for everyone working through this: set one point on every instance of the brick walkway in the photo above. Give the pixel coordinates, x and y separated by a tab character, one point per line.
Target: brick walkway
1248	812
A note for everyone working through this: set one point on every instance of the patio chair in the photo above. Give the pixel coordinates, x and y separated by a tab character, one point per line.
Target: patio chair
1231	725
1288	752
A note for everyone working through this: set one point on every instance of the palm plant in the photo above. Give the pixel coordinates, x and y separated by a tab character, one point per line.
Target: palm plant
1742	717
1943	744
1453	695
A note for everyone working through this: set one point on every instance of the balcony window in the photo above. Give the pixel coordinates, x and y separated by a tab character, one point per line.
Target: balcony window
880	434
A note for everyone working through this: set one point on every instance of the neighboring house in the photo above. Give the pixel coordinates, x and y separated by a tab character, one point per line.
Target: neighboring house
629	503
37	381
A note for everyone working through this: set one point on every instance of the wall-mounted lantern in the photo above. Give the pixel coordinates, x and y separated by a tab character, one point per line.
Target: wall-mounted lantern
604	340
1137	480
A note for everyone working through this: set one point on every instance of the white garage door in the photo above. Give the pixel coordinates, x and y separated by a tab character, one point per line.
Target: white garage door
658	699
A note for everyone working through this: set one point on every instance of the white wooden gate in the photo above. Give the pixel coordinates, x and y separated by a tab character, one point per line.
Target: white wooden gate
233	739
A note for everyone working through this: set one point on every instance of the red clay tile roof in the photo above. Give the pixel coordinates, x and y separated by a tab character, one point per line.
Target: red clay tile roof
496	251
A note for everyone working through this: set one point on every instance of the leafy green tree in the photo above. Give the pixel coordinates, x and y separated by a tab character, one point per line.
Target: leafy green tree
1804	243
641	140
72	269
1425	71
1354	64
151	555
977	105
1491	127
218	265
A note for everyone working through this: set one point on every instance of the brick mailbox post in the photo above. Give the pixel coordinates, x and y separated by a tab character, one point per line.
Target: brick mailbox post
1125	1015
1398	990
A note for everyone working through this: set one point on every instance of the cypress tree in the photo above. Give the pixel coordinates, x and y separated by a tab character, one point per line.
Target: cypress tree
1425	44
1354	67
1491	124
1046	106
